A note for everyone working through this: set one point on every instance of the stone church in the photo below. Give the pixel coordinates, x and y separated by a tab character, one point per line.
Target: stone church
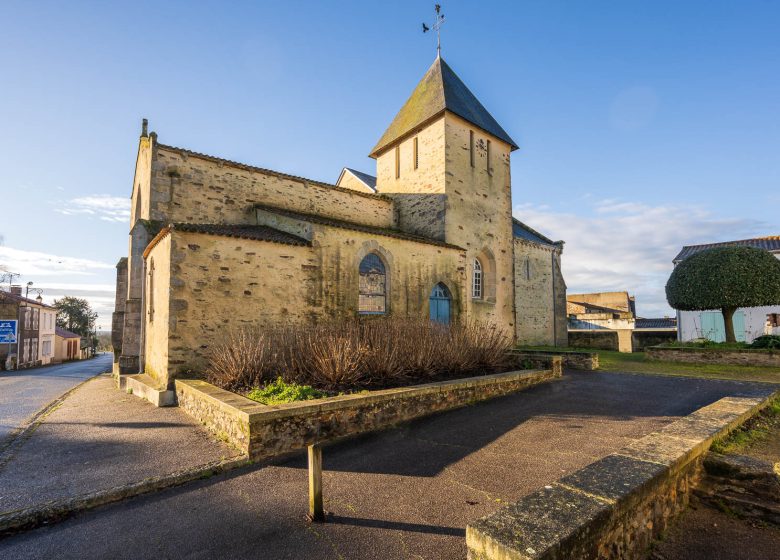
216	244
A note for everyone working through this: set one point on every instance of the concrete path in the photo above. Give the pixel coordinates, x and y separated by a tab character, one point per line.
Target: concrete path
25	392
402	493
99	438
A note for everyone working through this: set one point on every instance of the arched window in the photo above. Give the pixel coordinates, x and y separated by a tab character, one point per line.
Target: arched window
476	280
373	286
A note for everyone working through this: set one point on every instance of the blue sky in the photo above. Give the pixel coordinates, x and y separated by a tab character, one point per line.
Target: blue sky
643	126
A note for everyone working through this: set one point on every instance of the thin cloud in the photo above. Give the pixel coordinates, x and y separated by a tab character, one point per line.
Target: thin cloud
33	264
101	206
630	246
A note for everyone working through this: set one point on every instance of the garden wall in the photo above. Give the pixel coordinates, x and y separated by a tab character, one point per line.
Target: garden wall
265	431
612	508
619	340
715	356
640	340
575	360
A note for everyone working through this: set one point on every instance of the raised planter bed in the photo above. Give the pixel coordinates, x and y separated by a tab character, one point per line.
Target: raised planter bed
264	431
570	358
730	356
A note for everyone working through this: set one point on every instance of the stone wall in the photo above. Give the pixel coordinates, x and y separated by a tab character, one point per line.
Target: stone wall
479	215
429	177
219	284
157	328
118	316
596	339
588	361
189	187
769	358
421	214
540	295
640	340
263	431
615	507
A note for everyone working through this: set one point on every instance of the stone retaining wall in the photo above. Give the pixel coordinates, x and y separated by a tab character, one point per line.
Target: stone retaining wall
575	360
612	508
265	431
715	356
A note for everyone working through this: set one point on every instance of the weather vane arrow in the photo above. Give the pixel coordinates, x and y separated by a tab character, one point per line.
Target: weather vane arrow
436	26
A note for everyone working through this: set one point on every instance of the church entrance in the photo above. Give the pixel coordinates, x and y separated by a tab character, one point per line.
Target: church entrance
440	304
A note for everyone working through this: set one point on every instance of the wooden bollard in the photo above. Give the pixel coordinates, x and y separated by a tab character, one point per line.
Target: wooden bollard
316	513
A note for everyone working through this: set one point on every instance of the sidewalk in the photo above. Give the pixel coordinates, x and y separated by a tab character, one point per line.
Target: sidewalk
100	438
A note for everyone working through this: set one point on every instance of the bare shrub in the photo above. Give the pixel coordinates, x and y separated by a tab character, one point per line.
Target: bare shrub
239	361
359	353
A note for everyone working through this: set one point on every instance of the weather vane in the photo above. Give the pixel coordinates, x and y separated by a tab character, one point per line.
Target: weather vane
436	26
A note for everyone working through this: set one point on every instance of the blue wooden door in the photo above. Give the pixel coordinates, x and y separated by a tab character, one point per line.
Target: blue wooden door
440	304
714	328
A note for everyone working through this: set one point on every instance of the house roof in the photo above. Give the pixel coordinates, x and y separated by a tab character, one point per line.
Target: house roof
769	243
386	232
62	333
523	231
440	90
368	180
6	296
254	232
659	323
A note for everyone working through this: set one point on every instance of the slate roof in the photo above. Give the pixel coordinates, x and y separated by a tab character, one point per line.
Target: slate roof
523	231
369	180
257	233
769	243
439	90
661	323
387	232
65	334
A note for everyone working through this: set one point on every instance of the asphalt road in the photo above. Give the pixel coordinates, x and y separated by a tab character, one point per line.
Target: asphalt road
25	392
403	493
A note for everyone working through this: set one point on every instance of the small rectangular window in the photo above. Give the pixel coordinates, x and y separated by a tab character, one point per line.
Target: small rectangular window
471	147
416	154
397	162
489	171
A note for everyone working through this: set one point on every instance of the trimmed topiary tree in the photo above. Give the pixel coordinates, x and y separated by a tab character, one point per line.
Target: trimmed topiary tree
725	278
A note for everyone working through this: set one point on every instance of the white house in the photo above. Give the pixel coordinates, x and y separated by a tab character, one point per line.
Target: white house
749	322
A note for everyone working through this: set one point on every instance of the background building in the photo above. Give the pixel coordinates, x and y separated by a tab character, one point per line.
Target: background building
749	322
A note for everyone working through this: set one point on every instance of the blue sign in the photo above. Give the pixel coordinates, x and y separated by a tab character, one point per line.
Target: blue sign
7	332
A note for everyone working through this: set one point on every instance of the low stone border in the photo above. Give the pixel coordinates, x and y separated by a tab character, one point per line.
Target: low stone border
588	361
612	508
49	512
730	356
264	431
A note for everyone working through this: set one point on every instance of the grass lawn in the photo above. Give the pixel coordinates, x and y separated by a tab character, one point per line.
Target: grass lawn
637	362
